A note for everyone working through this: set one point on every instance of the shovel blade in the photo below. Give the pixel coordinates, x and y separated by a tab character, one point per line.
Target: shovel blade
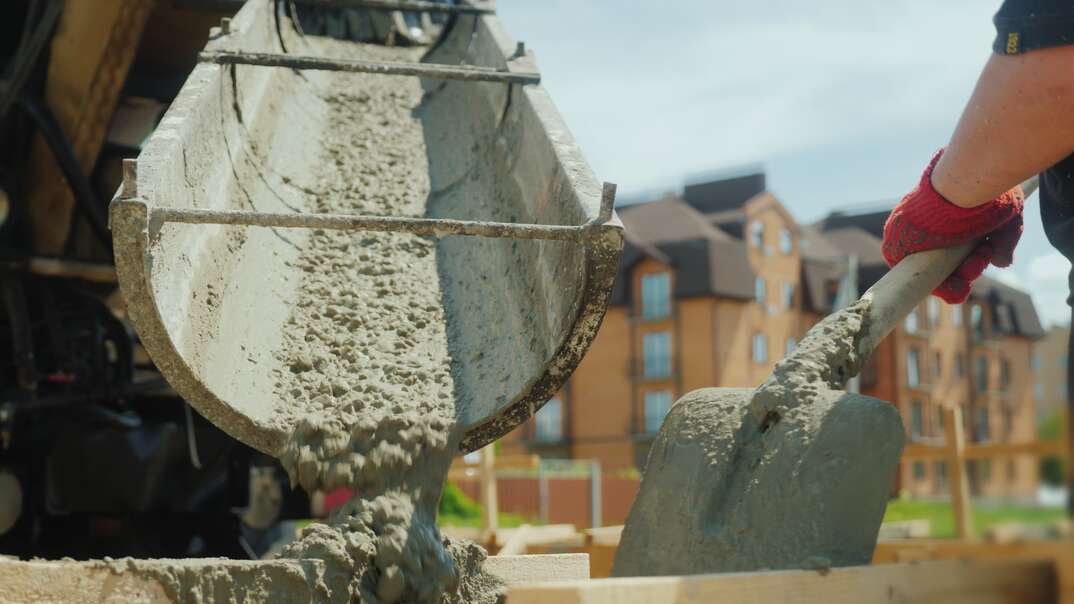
809	492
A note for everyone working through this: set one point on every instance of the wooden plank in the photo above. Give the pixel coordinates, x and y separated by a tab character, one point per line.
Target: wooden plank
516	542
1059	551
956	468
90	54
603	535
490	507
538	535
601	559
522	570
947	582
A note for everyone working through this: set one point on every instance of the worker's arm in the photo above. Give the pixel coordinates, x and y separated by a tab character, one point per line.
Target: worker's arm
1019	122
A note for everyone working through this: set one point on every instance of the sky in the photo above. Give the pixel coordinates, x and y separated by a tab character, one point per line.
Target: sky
841	102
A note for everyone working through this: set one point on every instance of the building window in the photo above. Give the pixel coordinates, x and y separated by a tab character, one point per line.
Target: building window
937	365
760	348
788	295
757	234
655	295
657	405
939	418
913	368
940	468
1035	361
550	421
790	345
982	430
980	371
919	470
917	419
759	290
976	321
1012	470
911	322
1003	317
656	351
960	366
934	311
985	470
1038	392
786	244
1004	375
956	315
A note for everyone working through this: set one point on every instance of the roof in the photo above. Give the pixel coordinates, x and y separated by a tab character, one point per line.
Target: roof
701	235
814	244
857	241
667	219
724	194
707	260
820	282
1012	309
870	222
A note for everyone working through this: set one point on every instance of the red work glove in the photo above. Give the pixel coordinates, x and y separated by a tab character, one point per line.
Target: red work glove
924	220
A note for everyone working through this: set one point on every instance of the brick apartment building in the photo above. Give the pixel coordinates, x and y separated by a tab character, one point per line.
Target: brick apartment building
1050	365
718	283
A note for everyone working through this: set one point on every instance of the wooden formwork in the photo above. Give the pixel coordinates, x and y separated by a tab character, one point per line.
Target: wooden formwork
1011	581
1060	552
946	582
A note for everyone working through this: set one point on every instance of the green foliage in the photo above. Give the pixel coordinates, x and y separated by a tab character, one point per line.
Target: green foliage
942	519
1051	471
455	504
1050	428
1051	468
456	509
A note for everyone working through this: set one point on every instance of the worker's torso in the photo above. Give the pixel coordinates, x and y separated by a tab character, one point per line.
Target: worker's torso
1057	207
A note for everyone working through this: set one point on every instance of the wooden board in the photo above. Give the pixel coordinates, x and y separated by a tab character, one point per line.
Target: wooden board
947	582
1059	551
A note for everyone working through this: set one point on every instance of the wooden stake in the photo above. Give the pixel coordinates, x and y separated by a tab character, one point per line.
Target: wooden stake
490	512
956	466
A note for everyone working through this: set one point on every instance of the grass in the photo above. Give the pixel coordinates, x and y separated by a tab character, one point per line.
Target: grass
942	519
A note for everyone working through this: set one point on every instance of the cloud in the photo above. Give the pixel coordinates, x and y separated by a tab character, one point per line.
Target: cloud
1048	283
1008	277
843	100
1053	268
653	94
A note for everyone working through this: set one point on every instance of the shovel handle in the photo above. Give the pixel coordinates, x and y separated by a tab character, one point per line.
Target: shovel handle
909	282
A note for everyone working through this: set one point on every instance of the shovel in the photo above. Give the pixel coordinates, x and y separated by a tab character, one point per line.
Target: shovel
793	474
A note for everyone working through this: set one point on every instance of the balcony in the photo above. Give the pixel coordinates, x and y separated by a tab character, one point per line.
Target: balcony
638	318
546	441
666	372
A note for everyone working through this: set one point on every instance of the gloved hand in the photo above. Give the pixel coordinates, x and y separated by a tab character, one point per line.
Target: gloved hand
924	220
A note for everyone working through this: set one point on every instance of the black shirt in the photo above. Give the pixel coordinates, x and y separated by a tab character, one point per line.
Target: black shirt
1022	26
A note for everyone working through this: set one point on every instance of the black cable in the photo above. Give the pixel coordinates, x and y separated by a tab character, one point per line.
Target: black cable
85	199
27	55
